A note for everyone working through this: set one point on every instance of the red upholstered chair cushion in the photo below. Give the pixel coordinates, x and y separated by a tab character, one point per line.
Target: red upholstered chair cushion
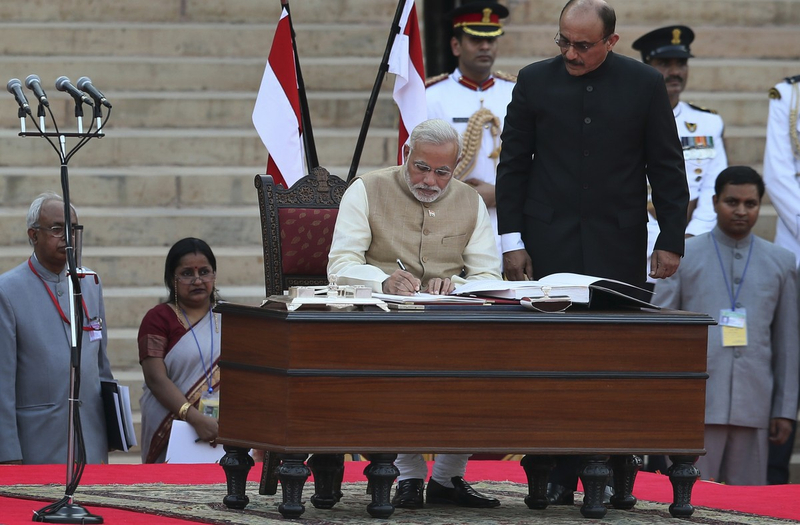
306	235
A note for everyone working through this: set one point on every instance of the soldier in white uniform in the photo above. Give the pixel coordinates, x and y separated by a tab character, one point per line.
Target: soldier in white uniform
781	171
782	162
473	98
700	129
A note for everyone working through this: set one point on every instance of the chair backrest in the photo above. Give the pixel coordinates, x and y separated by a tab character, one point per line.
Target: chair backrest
297	228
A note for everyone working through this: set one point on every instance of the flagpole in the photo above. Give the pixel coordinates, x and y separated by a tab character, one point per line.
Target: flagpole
373	98
305	117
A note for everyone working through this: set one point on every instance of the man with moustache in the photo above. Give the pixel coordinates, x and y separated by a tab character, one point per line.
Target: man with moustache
700	129
35	346
473	98
440	230
583	134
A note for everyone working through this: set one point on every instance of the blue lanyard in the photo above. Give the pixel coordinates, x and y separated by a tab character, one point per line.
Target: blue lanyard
733	297
206	372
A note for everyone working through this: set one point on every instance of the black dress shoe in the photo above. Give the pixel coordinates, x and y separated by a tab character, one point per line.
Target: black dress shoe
408	494
559	495
462	494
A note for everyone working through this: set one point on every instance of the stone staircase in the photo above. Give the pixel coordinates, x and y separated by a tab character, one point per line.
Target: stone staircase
180	151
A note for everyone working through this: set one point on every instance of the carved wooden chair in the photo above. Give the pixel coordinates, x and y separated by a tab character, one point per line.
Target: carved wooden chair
296	230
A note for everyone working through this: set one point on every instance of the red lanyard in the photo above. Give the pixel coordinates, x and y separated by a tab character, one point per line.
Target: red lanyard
55	301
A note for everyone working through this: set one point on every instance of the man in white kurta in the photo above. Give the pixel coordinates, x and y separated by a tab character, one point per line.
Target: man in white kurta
700	129
742	281
439	229
473	98
35	350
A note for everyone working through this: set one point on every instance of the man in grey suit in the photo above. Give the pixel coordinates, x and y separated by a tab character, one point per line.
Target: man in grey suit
749	286
35	346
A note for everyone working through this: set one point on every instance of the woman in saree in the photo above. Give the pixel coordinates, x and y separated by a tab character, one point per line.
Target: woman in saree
179	343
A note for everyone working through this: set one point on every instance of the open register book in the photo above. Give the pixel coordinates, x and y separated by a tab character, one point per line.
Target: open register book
580	289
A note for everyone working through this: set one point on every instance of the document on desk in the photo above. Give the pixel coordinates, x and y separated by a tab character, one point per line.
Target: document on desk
428	299
579	288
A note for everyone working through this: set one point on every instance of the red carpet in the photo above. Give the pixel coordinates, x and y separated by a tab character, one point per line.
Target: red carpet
781	501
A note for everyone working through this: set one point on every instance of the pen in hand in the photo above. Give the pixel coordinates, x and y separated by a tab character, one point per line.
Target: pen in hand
403	267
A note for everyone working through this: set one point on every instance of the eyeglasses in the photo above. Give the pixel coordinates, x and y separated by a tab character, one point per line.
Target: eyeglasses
580	47
204	275
424	168
54	231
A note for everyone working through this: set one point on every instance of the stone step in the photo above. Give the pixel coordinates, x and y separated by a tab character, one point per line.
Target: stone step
125	307
123	354
331	109
239	226
242	147
130	266
340	40
242	11
168	186
324	73
644	12
194	147
655	13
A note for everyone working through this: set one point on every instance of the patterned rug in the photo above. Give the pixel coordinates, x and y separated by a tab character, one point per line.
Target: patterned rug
203	503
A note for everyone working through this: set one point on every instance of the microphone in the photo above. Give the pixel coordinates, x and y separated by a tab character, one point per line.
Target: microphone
85	84
14	87
34	83
63	84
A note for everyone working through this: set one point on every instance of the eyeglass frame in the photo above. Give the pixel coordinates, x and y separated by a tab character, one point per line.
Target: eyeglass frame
186	279
579	47
424	168
51	230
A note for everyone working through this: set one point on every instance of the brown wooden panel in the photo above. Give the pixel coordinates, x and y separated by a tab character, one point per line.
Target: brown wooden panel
396	346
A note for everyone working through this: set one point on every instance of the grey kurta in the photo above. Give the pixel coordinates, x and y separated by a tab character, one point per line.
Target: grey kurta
747	385
34	378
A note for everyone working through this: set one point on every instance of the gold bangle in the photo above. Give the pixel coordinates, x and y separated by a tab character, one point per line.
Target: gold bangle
183	411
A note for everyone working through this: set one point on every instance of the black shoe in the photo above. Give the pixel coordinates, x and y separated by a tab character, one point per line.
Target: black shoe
408	494
559	495
462	494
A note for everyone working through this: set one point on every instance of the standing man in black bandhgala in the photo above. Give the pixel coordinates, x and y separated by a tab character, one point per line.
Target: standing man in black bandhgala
583	134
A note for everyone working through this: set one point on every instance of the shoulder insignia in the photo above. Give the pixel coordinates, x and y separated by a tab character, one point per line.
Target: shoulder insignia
438	78
793	80
701	108
502	75
774	93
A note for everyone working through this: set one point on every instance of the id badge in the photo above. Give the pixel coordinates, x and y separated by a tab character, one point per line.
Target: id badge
97	329
734	327
209	405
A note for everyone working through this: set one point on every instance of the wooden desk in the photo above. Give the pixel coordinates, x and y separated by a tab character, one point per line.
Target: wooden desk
475	380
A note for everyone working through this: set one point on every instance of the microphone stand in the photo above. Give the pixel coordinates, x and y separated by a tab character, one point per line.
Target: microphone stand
66	510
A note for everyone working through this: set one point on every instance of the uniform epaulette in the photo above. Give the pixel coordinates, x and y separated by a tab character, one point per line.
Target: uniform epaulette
434	80
701	108
793	80
774	93
502	75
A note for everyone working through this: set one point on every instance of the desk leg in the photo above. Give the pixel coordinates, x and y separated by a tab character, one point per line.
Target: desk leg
292	474
236	463
594	476
328	470
682	475
624	470
381	474
537	469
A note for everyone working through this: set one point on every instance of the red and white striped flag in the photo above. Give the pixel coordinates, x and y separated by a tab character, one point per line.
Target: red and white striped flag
405	61
276	115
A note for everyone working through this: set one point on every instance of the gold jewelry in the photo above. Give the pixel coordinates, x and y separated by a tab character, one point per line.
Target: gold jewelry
179	315
183	410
